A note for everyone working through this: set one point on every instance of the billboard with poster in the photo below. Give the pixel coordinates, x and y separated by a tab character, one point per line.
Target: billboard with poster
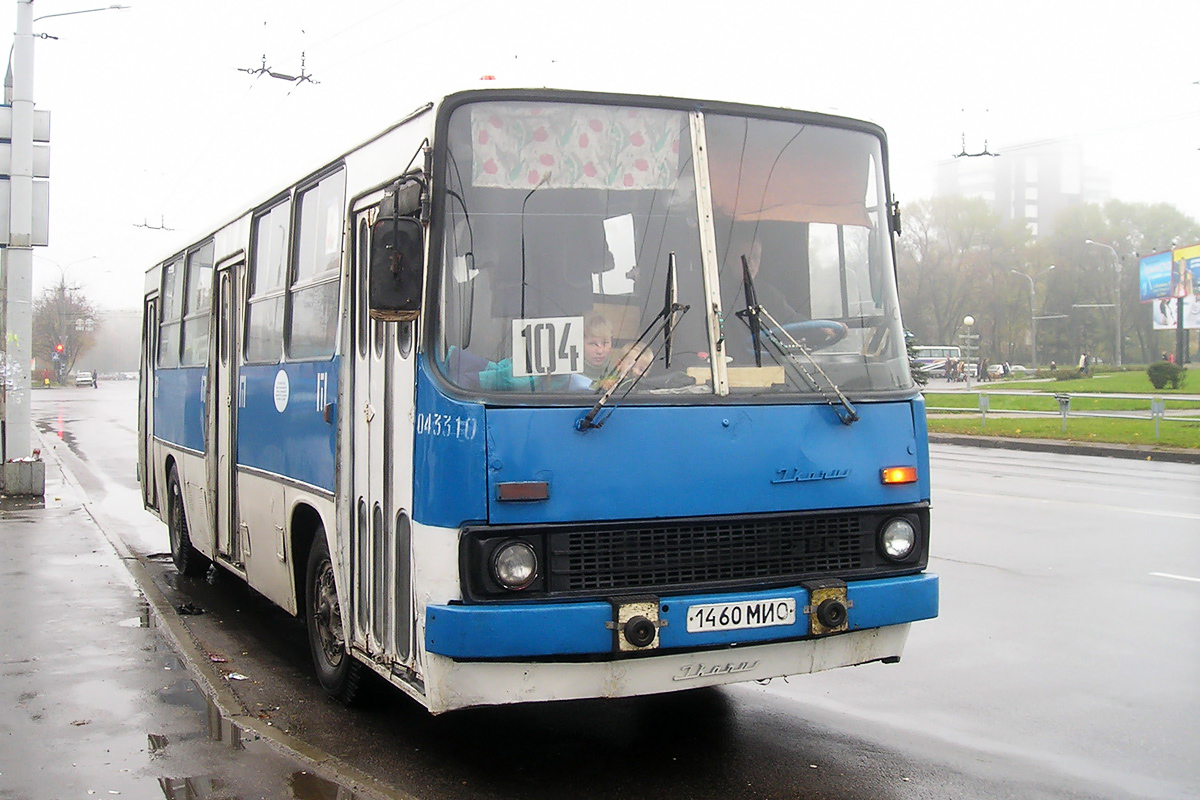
1156	275
1182	281
1187	271
1164	313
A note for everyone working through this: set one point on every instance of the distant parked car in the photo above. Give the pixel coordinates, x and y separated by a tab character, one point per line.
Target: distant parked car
85	379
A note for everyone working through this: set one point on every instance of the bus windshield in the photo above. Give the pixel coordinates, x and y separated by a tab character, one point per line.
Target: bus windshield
575	236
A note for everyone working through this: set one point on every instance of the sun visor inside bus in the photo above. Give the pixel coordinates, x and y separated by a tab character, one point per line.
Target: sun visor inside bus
818	175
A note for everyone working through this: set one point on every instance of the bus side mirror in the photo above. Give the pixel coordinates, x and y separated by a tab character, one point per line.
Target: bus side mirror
397	267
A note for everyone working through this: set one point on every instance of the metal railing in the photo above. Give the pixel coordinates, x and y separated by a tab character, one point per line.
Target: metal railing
1157	411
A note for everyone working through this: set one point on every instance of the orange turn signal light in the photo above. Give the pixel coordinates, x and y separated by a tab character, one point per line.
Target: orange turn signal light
894	475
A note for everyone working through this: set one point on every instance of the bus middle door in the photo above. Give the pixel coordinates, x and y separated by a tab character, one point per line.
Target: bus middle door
223	397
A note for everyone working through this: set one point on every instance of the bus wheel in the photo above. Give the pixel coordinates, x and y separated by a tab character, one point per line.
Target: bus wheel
338	672
188	560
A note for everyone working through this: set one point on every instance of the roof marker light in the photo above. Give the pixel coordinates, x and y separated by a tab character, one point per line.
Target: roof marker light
898	475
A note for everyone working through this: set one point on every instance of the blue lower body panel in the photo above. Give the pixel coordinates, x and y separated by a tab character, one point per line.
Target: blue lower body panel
528	630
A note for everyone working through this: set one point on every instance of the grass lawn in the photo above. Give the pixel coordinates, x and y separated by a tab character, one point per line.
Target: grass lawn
1117	382
1047	402
1172	432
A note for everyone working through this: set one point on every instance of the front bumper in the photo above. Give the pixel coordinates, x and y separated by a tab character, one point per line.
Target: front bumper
566	630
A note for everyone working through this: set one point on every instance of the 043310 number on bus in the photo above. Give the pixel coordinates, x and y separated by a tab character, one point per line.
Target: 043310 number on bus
746	614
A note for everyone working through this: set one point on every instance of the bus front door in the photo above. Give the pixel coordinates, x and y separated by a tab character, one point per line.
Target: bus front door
382	441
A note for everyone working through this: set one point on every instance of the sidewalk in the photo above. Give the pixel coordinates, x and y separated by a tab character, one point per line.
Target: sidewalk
100	703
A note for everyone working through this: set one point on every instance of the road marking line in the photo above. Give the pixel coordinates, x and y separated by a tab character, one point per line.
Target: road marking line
1176	577
1128	509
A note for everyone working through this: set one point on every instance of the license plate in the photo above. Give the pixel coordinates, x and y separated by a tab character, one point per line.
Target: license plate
736	616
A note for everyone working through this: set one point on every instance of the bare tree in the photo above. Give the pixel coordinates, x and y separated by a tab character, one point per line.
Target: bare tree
954	259
64	327
1131	230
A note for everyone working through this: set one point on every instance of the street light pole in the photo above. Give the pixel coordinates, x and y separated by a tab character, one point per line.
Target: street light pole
1117	266
1032	310
18	255
968	338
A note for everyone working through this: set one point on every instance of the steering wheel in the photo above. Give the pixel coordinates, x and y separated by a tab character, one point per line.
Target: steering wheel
816	334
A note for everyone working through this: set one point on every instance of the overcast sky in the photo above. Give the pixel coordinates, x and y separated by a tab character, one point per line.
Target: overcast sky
153	124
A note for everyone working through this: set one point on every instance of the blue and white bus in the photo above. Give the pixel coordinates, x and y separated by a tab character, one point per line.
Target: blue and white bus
545	394
932	358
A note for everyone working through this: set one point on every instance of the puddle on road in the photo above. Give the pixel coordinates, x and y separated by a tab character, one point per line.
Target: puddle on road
223	730
307	786
144	619
237	742
303	786
58	428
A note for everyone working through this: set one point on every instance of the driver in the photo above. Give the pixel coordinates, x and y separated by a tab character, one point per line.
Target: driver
770	297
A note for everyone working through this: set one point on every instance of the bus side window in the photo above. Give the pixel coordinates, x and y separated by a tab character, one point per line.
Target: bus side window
197	305
172	314
313	289
264	311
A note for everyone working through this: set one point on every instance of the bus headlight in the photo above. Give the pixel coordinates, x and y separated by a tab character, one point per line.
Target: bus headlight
514	565
897	539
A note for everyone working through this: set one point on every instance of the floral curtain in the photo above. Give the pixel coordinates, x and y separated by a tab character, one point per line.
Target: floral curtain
563	146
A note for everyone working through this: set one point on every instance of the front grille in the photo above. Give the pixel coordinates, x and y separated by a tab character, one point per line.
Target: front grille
700	552
607	559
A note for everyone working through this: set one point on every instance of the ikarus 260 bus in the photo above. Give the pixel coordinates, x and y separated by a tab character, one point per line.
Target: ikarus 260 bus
548	394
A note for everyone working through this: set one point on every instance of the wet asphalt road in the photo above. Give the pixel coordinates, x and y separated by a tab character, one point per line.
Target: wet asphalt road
1065	662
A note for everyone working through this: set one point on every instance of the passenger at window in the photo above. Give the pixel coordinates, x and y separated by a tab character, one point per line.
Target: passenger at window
598	363
636	359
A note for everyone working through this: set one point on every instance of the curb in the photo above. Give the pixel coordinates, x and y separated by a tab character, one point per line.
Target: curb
1139	452
212	682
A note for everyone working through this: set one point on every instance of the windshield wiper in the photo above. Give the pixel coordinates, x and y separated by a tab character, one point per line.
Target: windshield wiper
663	323
670	301
751	316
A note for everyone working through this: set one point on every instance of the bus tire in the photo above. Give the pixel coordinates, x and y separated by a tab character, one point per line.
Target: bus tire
187	559
338	672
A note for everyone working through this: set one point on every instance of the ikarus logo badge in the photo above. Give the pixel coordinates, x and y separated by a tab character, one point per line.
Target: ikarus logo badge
801	475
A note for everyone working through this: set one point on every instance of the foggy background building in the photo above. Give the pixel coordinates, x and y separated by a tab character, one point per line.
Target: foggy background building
1032	181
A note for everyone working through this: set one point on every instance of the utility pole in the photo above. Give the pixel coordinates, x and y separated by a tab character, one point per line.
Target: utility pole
24	224
18	255
1033	317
